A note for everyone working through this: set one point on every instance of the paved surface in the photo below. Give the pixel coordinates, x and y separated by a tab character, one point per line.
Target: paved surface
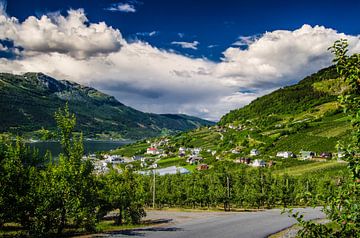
216	224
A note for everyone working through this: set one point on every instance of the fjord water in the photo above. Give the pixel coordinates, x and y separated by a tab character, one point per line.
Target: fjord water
89	146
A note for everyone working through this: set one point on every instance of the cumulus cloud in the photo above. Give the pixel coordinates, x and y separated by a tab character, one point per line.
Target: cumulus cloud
155	80
186	45
281	57
55	33
121	7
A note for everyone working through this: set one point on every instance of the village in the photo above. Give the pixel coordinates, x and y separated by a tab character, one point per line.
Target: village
160	157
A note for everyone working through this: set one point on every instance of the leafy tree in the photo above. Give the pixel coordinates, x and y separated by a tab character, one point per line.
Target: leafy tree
124	192
343	207
66	191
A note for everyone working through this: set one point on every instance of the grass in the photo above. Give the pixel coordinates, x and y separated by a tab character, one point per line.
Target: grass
107	225
170	161
314	167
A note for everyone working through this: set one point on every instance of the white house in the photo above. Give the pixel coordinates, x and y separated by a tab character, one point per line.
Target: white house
182	151
285	154
234	151
307	154
194	159
113	159
196	151
258	163
254	152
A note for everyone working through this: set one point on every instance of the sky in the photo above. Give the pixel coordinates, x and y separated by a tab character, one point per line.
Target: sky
201	58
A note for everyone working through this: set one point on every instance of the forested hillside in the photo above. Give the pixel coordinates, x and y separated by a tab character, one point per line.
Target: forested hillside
28	103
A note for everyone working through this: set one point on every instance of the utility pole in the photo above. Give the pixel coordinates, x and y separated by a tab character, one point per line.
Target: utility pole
154	190
227	203
228	186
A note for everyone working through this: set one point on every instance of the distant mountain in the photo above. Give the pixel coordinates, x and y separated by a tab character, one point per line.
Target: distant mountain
28	102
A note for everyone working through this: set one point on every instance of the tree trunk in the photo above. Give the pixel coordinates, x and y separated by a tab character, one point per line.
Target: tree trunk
118	219
62	221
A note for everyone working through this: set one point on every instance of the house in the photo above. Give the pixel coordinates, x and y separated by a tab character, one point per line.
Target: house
202	167
231	126
326	155
152	151
307	154
138	157
194	159
341	154
182	151
195	151
285	154
254	152
213	153
113	159
234	151
258	163
243	160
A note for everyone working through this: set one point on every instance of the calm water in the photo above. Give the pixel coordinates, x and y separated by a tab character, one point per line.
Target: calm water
89	146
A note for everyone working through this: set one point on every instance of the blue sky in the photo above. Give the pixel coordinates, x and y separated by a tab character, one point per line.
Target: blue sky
201	58
217	24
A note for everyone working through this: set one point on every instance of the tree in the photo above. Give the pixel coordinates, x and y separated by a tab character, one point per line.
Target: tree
124	192
66	191
343	206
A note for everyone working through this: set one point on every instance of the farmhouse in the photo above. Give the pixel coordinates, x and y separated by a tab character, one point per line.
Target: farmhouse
285	154
194	159
202	167
254	152
258	163
307	154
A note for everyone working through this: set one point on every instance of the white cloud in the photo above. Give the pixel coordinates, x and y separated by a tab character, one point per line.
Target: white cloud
155	80
186	45
121	7
150	34
245	40
67	35
281	57
212	46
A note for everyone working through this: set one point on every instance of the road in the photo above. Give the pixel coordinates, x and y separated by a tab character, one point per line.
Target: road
216	224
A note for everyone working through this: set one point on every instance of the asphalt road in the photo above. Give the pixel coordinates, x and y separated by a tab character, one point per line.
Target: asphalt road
217	224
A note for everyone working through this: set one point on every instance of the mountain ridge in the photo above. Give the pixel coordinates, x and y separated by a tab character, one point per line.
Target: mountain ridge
28	103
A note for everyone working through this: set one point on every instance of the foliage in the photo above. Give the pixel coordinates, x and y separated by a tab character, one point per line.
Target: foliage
47	197
342	206
123	192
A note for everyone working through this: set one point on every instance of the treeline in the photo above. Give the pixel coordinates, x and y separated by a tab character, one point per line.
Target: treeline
249	188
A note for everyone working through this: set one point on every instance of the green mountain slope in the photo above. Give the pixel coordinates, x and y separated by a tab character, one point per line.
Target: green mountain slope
288	100
304	116
28	102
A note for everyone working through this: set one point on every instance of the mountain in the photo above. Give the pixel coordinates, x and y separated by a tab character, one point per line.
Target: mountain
28	102
304	116
288	100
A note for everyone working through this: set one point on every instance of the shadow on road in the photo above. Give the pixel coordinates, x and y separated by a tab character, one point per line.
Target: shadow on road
140	231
